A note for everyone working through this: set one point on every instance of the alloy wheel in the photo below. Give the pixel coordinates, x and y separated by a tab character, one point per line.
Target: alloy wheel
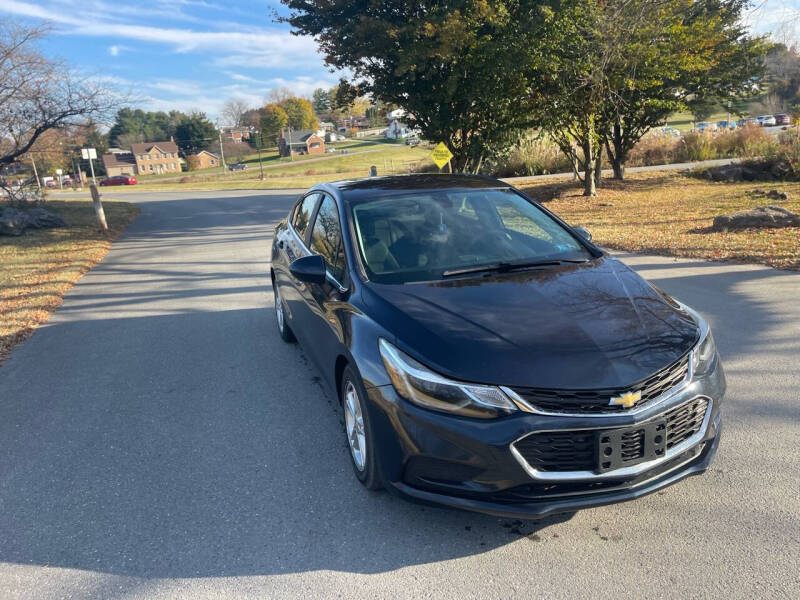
354	423
279	308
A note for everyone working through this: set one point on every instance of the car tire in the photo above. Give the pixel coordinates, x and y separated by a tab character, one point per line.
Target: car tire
358	430
280	315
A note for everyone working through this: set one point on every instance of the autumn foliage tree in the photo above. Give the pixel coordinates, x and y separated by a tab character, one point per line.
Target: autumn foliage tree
273	119
455	67
300	113
618	68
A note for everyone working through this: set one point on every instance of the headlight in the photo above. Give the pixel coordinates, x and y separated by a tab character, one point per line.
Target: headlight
705	351
703	355
418	384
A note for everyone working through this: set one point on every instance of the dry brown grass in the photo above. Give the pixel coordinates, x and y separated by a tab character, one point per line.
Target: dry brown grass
671	214
37	268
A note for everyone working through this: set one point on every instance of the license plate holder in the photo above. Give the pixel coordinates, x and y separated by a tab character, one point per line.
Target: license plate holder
628	446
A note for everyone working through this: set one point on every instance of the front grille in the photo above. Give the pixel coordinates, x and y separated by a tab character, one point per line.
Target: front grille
683	422
532	492
596	401
559	450
576	450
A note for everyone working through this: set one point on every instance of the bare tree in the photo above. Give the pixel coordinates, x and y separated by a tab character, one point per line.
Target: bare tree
38	94
234	110
278	95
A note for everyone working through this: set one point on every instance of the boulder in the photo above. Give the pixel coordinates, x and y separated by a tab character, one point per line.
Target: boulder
761	217
42	218
14	221
776	195
725	173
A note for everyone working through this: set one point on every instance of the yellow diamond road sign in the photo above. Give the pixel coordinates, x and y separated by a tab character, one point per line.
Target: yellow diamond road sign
441	155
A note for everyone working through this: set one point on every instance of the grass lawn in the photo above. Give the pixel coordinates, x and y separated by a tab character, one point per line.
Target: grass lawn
303	172
37	268
270	160
671	213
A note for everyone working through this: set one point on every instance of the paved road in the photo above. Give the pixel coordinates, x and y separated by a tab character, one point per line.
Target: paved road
157	440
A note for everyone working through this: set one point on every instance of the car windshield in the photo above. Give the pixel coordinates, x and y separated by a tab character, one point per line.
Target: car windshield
431	235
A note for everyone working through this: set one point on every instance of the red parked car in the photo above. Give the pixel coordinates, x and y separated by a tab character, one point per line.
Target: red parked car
119	180
783	119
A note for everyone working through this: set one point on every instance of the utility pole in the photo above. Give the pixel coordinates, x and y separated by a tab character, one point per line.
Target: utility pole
36	173
222	152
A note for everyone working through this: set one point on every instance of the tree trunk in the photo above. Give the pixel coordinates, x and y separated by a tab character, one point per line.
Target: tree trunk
588	173
618	158
598	166
574	160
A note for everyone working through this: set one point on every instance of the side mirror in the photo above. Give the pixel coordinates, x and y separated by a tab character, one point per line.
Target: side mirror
310	269
583	232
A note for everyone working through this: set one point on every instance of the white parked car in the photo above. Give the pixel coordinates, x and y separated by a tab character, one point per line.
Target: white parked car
767	121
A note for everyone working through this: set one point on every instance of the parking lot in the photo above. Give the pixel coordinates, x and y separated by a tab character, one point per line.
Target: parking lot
158	440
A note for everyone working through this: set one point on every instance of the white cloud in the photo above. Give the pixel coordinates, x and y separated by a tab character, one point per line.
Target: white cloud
262	48
780	19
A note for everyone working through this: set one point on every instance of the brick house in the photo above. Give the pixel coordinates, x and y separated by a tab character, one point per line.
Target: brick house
237	134
203	160
300	142
119	163
156	157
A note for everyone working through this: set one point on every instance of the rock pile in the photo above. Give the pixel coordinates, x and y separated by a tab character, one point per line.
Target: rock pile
14	221
761	217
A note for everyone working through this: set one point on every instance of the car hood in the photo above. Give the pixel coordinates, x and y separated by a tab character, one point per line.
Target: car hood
593	325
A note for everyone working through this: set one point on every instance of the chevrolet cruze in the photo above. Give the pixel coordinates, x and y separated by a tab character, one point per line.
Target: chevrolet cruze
487	355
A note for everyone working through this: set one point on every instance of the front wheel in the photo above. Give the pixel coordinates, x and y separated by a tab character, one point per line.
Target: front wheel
358	431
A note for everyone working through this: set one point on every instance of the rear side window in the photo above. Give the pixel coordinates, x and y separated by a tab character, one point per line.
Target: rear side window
302	214
326	238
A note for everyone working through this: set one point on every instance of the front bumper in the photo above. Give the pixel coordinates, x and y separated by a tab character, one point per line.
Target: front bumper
470	464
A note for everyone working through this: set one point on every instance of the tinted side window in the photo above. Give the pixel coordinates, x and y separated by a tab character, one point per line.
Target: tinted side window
326	238
303	214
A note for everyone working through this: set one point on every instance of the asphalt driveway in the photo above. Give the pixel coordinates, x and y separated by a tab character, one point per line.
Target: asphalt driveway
158	440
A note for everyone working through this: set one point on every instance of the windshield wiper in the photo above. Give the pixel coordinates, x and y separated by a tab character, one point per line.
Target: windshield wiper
503	266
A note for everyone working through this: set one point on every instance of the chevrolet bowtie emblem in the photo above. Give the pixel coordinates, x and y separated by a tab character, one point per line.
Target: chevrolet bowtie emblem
627	399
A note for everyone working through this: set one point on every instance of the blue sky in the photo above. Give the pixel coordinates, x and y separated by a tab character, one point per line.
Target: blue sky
195	54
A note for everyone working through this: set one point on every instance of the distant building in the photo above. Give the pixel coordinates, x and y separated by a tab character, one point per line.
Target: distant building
345	125
397	129
156	157
204	160
300	142
119	163
237	134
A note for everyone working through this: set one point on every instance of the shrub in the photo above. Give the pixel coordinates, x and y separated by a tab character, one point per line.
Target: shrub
787	152
531	156
699	146
745	142
193	162
656	149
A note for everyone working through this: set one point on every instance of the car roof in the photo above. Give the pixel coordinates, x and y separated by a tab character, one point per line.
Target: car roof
372	187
